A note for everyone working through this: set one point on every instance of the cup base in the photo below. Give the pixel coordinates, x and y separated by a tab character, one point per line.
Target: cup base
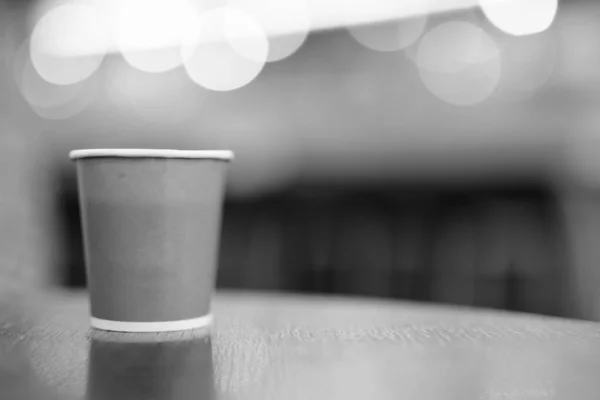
148	327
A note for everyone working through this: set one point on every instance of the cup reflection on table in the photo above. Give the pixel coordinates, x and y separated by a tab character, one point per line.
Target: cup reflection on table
173	370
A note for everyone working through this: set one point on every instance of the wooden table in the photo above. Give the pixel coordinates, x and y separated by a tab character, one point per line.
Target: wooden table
266	346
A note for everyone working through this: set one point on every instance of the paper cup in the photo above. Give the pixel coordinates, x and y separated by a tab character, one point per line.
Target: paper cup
151	224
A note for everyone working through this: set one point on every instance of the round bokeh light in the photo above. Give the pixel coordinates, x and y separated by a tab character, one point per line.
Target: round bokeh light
286	23
459	63
60	43
225	50
149	32
520	17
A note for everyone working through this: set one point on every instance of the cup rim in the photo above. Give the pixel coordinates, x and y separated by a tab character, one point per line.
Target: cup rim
225	155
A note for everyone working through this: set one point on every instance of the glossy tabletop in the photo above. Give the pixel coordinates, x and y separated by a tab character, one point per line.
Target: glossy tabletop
267	346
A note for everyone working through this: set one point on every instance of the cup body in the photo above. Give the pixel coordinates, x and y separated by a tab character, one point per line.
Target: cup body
151	225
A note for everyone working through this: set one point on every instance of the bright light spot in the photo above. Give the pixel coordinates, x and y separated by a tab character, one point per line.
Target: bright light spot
244	34
527	64
520	17
147	30
46	99
459	63
225	50
63	30
390	36
36	90
281	19
272	15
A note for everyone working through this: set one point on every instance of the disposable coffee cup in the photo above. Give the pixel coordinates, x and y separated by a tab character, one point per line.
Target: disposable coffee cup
151	223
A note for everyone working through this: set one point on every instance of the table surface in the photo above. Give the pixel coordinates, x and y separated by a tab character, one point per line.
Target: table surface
268	346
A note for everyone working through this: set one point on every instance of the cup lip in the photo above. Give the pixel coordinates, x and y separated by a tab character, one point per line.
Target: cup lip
224	155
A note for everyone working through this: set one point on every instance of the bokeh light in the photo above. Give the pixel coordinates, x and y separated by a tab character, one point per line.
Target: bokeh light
46	99
149	30
527	65
286	23
244	34
520	17
390	36
225	50
60	34
459	63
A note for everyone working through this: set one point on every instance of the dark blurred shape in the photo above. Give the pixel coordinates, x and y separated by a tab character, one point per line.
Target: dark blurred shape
511	287
363	252
67	208
310	218
171	370
494	246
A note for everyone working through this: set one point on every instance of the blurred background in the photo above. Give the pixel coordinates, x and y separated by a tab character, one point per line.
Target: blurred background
429	150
